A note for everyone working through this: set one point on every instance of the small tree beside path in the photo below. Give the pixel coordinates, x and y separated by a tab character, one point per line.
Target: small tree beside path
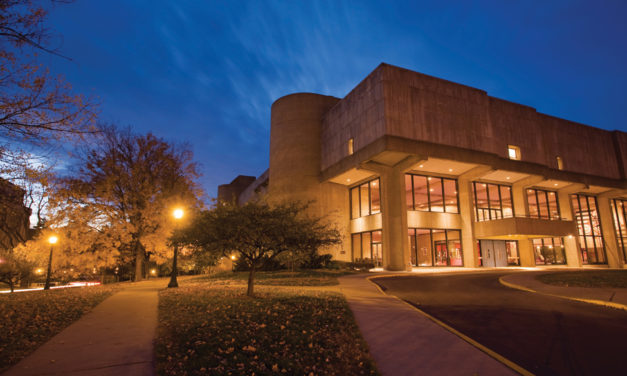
257	232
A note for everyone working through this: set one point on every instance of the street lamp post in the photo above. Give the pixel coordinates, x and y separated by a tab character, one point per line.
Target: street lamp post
178	214
52	240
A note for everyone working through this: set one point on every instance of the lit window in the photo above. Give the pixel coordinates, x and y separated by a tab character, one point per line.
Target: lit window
560	163
513	152
351	146
365	199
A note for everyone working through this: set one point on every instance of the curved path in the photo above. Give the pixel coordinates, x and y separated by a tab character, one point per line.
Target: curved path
404	342
544	334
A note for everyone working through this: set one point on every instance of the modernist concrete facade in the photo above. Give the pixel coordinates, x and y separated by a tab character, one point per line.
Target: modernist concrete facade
419	171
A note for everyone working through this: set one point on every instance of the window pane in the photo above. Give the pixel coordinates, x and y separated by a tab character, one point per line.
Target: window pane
439	247
355	203
495	201
596	224
554	210
376	236
560	256
412	246
506	200
421	198
537	250
435	191
455	248
365	207
356	242
482	195
533	204
408	193
375	197
423	241
366	247
543	206
450	195
598	242
511	248
377	249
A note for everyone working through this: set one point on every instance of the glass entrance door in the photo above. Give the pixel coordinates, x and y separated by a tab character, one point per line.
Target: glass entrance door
441	253
377	255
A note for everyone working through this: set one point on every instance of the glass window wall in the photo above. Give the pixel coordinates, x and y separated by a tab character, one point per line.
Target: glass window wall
492	201
542	204
589	229
365	199
549	251
430	193
366	246
619	214
435	247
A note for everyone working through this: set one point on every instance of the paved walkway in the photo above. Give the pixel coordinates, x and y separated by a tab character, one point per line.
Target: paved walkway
529	281
115	338
404	342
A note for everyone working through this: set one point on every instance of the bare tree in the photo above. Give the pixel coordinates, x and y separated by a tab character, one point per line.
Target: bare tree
35	106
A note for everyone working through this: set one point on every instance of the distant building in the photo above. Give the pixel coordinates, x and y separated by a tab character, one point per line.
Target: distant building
419	171
14	216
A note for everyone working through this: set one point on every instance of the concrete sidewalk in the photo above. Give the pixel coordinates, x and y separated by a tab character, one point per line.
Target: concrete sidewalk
115	338
404	342
613	296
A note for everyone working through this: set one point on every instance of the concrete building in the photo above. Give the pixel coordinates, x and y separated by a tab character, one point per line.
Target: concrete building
419	171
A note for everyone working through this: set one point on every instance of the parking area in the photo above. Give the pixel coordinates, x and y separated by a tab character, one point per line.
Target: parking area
543	334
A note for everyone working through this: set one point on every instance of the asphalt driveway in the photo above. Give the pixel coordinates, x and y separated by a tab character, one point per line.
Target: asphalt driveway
545	335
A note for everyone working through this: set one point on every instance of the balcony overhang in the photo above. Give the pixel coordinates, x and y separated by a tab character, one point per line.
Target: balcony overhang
526	227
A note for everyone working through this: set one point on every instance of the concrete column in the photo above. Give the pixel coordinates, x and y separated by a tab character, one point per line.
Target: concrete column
520	201
614	259
571	243
466	212
573	254
525	250
394	215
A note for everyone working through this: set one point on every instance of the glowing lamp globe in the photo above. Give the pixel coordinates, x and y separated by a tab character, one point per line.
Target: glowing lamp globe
53	239
178	213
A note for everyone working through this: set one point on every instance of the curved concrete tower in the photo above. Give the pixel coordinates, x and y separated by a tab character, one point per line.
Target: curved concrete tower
295	147
295	153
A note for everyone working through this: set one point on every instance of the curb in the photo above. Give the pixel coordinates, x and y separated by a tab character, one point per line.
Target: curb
589	301
496	356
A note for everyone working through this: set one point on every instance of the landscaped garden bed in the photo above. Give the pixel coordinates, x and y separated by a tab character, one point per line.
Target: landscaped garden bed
592	278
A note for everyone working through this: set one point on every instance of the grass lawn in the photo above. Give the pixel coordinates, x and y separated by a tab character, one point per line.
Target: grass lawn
208	327
28	319
592	278
318	277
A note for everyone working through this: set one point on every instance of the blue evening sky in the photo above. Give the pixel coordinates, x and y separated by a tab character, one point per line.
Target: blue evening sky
206	72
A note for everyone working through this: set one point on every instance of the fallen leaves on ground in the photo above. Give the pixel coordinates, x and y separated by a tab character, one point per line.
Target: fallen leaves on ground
215	329
28	319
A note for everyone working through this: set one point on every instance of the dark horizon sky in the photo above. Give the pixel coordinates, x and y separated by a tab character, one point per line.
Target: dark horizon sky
207	72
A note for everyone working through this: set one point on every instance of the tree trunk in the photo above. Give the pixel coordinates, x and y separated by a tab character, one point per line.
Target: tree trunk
139	262
251	282
11	285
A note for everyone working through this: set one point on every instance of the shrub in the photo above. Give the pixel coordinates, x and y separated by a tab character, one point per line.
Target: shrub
362	264
316	261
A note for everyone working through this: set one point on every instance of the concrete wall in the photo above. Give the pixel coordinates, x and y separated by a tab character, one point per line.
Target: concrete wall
398	102
360	115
